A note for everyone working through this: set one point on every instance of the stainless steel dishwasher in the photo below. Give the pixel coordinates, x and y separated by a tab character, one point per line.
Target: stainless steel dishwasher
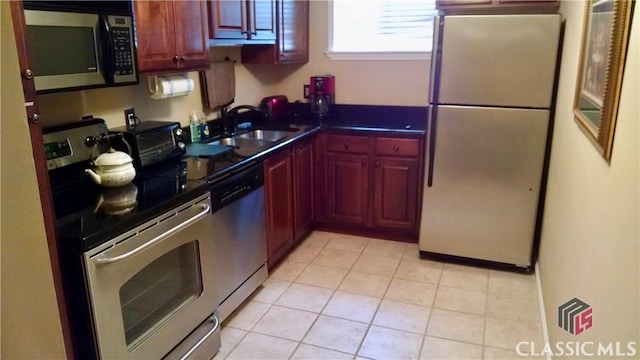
240	237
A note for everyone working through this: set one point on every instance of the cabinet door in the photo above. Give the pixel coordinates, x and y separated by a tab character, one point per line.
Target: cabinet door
292	40
155	32
262	19
303	168
293	31
347	188
192	41
279	203
396	193
228	19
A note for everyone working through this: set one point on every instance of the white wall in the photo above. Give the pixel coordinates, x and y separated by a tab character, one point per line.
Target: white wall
591	229
30	320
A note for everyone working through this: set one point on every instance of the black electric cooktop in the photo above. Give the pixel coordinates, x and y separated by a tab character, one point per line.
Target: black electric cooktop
88	214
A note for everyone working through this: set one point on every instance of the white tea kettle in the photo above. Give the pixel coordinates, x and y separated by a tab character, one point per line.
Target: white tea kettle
114	168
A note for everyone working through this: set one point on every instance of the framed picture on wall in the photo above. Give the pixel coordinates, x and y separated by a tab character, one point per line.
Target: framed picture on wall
605	37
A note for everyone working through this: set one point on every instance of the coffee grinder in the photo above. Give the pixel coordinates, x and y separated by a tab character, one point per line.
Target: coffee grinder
322	94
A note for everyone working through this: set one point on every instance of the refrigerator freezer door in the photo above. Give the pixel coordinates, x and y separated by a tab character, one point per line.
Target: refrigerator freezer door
487	168
499	60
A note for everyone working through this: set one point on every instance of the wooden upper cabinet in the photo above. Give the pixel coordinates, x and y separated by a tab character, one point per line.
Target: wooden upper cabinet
240	20
292	40
171	35
228	19
293	31
191	33
497	6
262	19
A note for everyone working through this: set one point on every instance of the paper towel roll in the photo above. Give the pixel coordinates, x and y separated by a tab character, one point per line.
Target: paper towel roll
170	86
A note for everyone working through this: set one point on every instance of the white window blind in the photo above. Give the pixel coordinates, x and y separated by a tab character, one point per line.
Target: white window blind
381	26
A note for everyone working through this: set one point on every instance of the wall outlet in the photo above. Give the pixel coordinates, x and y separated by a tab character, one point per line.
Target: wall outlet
306	91
130	118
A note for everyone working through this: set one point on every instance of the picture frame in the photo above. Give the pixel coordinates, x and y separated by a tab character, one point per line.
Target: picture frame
605	37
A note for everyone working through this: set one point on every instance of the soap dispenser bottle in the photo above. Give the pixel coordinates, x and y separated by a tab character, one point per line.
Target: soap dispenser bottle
194	127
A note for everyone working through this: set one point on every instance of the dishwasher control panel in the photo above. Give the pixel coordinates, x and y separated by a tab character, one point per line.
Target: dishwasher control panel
236	187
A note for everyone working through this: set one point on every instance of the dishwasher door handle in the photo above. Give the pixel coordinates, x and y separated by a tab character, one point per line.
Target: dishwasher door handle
102	261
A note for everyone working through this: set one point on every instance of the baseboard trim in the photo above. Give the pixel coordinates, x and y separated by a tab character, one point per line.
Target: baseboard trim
543	315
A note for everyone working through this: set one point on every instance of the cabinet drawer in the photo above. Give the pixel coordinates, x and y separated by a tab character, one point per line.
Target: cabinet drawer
348	143
400	147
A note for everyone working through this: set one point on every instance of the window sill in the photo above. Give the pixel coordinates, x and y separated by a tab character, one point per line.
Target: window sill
399	55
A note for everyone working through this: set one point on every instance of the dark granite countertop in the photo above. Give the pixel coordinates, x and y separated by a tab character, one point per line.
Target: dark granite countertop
387	120
378	118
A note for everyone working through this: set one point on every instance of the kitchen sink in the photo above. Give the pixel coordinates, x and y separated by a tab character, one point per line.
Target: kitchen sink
254	138
240	142
272	135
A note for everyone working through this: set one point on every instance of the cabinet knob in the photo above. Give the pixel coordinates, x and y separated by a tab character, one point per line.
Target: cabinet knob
176	58
28	74
396	148
364	162
377	163
183	58
34	119
346	145
297	151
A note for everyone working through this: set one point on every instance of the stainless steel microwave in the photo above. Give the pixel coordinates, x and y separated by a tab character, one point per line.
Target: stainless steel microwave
73	48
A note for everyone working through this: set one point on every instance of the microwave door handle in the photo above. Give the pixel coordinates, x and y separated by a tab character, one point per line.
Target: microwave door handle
107	47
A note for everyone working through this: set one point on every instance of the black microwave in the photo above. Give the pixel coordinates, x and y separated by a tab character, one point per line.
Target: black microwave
76	45
151	142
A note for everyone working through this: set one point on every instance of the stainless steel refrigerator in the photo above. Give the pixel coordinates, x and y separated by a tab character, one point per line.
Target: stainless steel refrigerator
492	83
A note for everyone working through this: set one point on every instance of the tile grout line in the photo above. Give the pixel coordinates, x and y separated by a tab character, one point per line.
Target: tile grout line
541	310
426	327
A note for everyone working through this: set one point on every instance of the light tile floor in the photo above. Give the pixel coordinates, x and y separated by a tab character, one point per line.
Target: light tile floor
344	297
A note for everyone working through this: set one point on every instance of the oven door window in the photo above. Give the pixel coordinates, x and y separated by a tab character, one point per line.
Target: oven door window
158	291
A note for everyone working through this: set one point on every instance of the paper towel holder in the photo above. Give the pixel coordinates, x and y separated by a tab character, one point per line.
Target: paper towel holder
154	87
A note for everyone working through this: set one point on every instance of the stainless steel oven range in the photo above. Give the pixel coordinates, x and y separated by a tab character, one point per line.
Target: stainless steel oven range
140	281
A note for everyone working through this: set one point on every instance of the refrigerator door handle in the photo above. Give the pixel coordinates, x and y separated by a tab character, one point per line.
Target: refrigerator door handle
435	51
433	120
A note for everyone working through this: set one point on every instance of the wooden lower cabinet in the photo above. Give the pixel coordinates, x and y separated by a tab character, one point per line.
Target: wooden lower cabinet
278	202
372	182
288	198
396	191
302	172
347	188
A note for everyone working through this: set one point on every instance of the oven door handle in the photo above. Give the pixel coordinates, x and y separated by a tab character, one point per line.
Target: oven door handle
102	261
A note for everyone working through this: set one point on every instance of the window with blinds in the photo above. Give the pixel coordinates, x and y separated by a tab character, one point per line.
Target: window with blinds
381	26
